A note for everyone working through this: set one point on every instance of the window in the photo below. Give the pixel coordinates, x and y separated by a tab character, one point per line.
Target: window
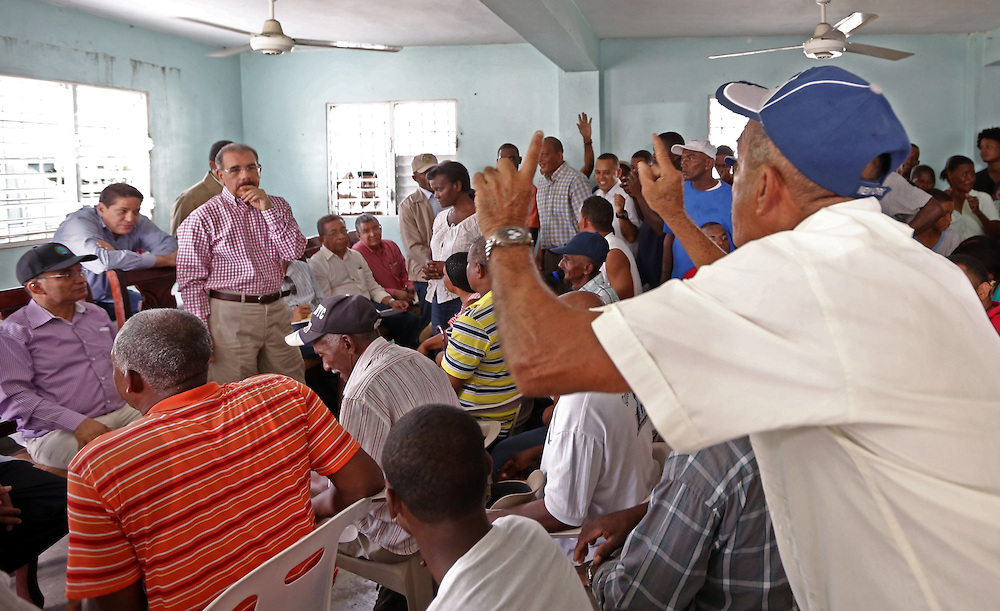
370	147
60	145
724	125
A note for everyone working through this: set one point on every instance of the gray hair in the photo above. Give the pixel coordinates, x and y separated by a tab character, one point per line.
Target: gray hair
365	218
168	348
477	253
235	147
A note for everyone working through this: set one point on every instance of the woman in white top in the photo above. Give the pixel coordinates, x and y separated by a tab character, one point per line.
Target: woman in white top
975	213
455	228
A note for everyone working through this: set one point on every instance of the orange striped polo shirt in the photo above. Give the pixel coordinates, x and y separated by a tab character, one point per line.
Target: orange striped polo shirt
200	491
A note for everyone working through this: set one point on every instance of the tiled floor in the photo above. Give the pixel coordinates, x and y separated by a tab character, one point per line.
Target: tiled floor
350	593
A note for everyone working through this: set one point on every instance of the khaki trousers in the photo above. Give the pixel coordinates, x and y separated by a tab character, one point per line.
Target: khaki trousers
249	338
57	449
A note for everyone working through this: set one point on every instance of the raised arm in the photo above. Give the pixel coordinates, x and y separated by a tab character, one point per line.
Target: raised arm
663	188
583	123
546	343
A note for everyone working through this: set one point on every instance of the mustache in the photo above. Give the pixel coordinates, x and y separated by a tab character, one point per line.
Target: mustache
246	183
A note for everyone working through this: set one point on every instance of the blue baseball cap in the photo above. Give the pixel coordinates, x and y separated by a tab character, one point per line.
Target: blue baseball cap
588	244
830	124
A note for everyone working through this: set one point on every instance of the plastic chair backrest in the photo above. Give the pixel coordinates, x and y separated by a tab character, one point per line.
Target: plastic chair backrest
535	481
299	577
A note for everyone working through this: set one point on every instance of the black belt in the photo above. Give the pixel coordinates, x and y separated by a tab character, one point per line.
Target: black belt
241	298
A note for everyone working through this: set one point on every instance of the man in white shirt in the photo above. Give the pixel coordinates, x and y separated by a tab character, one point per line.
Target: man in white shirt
416	224
339	270
620	269
436	473
626	222
876	444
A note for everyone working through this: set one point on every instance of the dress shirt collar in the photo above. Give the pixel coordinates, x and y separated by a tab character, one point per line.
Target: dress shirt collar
325	254
37	316
229	198
429	195
370	354
557	173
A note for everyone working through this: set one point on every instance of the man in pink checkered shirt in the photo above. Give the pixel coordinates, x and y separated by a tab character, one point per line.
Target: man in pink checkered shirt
229	270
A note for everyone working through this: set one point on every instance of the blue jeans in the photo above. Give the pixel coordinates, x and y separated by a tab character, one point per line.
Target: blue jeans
441	313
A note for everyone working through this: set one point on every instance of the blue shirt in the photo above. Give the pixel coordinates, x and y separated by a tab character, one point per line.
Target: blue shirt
712	206
82	229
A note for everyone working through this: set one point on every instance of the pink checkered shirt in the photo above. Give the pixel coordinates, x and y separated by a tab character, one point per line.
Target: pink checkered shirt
228	245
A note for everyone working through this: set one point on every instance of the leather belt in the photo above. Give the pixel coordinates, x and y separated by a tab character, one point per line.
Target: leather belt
241	298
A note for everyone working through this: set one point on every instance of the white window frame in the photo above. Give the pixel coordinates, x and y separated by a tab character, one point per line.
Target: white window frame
74	140
352	189
724	125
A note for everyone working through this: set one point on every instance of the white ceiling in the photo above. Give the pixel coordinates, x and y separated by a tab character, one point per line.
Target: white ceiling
461	22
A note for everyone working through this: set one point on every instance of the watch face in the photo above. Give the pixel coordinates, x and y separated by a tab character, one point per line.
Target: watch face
513	233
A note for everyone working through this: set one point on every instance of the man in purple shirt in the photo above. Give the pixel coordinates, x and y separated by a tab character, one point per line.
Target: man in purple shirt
56	378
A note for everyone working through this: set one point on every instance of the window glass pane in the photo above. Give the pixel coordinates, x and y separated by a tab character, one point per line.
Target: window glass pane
37	158
724	125
371	146
113	140
60	144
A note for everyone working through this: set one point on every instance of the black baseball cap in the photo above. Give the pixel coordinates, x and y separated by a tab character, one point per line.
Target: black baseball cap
47	258
340	314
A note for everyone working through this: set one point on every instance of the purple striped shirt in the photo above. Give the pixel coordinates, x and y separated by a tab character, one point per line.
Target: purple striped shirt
228	245
54	374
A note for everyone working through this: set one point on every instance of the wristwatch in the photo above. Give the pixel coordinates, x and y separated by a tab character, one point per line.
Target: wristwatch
622	215
508	236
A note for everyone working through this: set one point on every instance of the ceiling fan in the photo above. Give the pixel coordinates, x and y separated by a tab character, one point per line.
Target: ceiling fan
272	40
829	41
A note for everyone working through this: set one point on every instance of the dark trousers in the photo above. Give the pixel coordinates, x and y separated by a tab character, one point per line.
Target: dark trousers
403	327
41	497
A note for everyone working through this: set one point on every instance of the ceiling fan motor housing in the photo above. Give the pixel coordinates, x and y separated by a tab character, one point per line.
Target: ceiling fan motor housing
826	43
271	40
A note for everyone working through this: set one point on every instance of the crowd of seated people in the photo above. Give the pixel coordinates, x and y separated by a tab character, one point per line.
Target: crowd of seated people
405	326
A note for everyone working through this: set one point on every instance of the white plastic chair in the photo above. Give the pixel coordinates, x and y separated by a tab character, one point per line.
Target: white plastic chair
408	577
491	430
535	481
268	583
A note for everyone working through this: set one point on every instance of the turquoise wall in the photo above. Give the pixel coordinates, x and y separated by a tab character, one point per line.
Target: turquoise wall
504	92
944	94
663	85
193	100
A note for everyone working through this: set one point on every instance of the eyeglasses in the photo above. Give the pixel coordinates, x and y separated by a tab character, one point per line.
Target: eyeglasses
250	169
76	274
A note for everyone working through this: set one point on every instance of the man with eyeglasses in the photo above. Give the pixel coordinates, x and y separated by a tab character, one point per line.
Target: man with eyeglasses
56	378
229	271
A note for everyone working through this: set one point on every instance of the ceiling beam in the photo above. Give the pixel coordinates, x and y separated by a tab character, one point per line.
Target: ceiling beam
556	28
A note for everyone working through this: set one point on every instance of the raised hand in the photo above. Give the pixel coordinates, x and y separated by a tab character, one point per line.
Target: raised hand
583	123
503	193
662	184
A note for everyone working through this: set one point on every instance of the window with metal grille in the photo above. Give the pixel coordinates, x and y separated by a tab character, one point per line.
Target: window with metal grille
724	125
60	145
370	147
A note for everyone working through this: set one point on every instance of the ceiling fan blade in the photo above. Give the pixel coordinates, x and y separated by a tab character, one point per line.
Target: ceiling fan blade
231	51
340	44
853	22
215	25
742	53
880	52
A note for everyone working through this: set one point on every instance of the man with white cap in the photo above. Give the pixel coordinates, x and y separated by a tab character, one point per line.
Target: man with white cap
876	444
384	382
416	224
706	199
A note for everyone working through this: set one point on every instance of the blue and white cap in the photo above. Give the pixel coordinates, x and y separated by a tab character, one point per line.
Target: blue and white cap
830	124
